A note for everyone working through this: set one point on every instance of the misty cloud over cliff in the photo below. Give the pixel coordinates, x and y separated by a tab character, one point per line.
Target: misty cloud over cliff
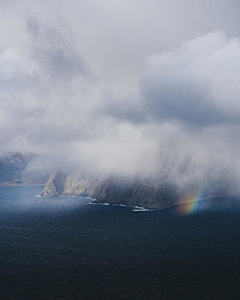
131	88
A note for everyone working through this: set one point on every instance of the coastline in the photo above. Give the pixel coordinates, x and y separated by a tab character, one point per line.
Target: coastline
153	207
162	206
139	206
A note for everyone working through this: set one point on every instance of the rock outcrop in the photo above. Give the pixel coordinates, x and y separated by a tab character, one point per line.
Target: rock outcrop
55	185
114	190
144	192
147	193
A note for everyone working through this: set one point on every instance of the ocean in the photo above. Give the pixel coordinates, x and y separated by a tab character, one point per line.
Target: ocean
69	248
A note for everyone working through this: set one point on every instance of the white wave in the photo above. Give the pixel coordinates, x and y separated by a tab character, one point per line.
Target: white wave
99	203
143	209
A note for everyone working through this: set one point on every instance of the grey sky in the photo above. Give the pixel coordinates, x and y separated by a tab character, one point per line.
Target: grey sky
123	86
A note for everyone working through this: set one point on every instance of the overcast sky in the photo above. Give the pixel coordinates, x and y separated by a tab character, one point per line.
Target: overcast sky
128	86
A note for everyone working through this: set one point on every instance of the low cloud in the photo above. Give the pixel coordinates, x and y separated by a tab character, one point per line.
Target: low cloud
181	125
198	84
53	52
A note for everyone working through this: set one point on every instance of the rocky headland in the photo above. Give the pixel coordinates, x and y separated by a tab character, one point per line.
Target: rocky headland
12	166
114	190
149	192
55	185
18	168
29	169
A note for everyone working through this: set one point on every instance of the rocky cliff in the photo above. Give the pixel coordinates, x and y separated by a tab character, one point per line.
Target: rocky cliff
146	193
55	185
115	190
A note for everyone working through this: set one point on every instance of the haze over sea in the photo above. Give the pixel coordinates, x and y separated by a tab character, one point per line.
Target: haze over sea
68	248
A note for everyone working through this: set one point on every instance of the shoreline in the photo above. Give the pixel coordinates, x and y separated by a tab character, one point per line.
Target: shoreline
168	205
95	201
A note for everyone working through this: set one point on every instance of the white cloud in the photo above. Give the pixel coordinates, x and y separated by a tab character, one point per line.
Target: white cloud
198	84
73	84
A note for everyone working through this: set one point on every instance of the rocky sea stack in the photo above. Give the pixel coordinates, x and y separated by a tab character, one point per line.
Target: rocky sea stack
55	185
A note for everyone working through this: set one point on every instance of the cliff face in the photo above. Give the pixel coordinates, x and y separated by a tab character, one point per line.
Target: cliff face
138	193
55	185
84	187
12	165
115	190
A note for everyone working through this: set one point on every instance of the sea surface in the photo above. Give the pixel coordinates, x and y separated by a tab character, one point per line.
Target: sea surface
69	248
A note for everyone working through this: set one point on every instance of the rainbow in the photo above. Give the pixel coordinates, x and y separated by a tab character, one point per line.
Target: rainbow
192	203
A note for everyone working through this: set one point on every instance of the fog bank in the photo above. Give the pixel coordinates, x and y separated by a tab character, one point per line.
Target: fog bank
129	89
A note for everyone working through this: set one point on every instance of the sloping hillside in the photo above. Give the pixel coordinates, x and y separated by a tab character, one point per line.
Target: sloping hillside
12	165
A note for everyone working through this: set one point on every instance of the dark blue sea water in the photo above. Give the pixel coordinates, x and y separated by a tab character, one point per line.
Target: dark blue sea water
67	248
